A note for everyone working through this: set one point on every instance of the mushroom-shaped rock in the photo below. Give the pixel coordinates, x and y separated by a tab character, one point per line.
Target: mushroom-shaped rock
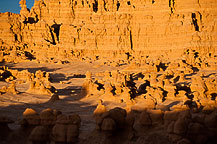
31	86
70	119
185	115
57	113
66	129
170	116
39	134
3	89
31	116
59	133
99	121
72	133
47	117
100	109
180	126
156	116
12	88
144	119
88	75
118	115
62	119
108	124
130	118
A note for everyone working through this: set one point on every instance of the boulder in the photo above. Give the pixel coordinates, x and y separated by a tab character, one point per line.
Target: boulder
108	124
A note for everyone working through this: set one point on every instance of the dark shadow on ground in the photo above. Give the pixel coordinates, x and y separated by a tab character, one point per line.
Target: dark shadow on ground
57	77
68	105
32	70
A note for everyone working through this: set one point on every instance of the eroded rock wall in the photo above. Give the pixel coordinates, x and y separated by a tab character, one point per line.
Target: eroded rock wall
118	25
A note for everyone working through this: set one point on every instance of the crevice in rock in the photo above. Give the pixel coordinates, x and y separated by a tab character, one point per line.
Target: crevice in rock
53	39
29	55
31	20
131	40
15	37
104	4
95	6
118	5
52	36
56	30
194	21
96	43
128	3
74	41
172	5
128	55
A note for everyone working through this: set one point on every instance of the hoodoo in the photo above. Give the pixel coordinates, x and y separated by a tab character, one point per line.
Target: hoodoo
109	72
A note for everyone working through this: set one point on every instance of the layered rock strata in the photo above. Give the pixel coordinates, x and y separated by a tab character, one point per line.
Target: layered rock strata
118	26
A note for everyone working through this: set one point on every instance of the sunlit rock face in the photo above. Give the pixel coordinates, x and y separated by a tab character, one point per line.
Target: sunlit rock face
150	65
118	25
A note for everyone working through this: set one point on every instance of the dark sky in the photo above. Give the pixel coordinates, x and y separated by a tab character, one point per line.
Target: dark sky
13	5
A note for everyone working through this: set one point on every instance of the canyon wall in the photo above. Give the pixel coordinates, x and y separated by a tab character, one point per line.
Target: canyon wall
113	25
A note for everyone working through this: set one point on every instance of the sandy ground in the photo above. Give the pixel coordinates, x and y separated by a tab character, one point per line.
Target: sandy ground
69	89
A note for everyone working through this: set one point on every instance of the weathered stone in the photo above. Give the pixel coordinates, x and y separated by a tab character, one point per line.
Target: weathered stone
180	126
108	124
31	116
40	134
145	119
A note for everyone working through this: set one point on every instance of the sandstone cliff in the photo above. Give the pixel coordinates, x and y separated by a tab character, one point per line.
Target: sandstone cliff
60	26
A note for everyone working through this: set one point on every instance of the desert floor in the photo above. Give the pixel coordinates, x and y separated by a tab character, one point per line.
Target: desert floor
69	91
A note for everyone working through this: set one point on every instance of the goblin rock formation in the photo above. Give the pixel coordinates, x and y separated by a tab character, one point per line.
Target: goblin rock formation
49	126
38	82
160	86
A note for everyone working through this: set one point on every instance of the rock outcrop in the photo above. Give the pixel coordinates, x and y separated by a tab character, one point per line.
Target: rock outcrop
109	28
162	86
50	126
